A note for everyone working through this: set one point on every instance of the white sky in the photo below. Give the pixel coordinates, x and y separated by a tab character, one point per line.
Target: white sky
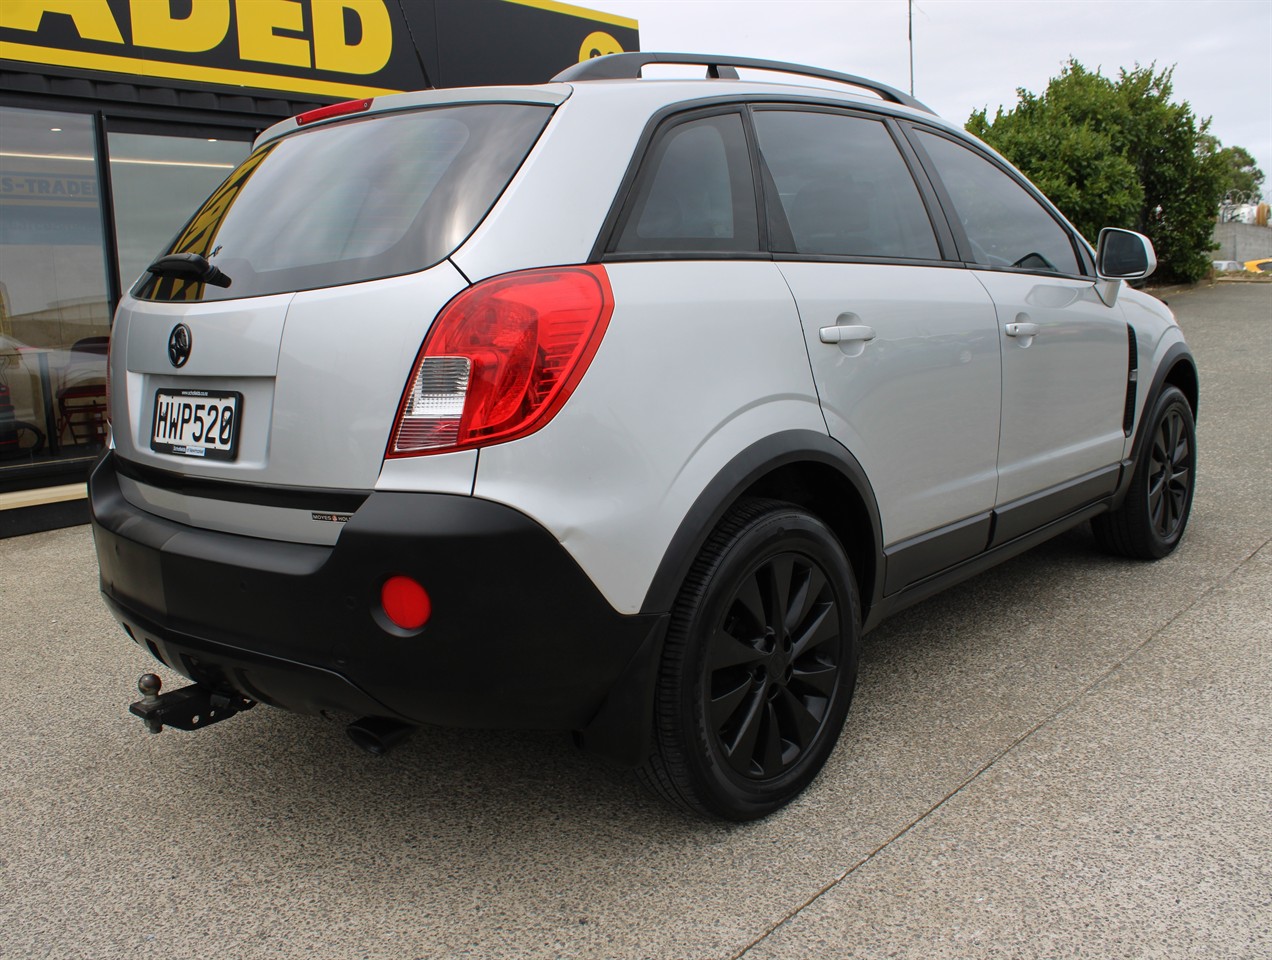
970	54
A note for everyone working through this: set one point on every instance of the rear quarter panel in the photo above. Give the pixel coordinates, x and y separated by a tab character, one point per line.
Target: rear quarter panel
700	360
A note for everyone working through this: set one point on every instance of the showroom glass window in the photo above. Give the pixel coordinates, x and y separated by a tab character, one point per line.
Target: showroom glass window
54	304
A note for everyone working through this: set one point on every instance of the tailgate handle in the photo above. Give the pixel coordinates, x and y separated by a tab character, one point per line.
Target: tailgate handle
846	333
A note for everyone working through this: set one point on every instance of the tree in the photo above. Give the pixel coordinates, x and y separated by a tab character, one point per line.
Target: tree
1240	173
1117	153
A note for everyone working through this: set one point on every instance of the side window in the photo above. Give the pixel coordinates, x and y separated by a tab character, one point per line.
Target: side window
695	192
1006	225
843	186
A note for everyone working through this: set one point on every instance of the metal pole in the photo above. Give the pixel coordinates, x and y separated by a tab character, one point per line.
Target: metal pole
910	16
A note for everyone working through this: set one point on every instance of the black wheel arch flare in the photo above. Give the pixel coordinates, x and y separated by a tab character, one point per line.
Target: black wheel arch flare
803	466
1178	369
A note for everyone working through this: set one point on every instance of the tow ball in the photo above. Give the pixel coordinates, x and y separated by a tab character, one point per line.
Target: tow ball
189	708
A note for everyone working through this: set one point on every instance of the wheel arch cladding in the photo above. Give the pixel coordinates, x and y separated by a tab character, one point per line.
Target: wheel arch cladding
800	467
1177	368
1183	374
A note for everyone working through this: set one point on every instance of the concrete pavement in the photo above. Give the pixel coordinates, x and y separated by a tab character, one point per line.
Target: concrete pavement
1069	756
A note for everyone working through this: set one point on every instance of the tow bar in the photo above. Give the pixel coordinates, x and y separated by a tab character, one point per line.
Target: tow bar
189	708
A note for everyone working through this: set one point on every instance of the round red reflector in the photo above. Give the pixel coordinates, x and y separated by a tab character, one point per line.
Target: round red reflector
405	602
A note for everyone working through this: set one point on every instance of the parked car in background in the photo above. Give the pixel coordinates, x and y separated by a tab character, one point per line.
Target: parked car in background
617	406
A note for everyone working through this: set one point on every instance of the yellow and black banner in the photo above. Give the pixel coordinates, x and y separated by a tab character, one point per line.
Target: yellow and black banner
323	48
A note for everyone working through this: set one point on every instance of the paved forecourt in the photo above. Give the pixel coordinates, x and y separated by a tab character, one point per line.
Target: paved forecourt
1068	756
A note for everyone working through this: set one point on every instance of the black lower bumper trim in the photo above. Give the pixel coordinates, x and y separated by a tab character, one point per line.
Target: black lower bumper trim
519	636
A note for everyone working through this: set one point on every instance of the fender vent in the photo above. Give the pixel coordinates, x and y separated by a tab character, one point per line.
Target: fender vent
1132	378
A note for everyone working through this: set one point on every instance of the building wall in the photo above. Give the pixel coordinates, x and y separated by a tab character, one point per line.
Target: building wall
1242	241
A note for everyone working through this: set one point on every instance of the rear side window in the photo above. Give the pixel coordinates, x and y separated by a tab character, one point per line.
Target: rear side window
1006	225
376	197
843	187
695	192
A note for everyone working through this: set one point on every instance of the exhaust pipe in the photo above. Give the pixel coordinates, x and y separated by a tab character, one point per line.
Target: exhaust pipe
378	735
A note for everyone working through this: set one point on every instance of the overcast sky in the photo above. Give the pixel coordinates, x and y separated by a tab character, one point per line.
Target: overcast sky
970	54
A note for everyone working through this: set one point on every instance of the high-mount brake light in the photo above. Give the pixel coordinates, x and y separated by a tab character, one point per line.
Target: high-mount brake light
333	110
502	358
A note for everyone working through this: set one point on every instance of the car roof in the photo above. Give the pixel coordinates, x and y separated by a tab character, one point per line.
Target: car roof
645	96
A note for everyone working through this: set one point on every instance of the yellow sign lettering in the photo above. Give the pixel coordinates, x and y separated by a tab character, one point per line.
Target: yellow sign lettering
92	18
257	20
332	50
153	25
598	44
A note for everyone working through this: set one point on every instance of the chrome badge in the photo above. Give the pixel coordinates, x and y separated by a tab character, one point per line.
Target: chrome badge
179	343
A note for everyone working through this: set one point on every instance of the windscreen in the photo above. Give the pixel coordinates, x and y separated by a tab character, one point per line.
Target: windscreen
376	197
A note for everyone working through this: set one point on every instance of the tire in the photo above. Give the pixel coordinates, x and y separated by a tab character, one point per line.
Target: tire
750	703
1151	520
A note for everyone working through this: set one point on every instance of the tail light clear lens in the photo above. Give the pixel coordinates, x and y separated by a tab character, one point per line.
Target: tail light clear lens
109	344
502	358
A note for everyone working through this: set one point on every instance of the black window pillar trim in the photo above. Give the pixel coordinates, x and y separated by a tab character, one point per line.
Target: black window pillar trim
962	242
759	179
106	203
936	210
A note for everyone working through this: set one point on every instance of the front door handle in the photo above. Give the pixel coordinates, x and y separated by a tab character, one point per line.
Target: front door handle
845	333
1022	329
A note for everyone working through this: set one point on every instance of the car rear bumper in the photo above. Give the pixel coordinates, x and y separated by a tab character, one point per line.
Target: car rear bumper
518	637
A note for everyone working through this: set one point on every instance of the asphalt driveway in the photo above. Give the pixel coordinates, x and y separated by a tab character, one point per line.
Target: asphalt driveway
1069	756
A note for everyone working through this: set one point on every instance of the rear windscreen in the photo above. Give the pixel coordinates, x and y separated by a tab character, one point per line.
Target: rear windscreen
376	197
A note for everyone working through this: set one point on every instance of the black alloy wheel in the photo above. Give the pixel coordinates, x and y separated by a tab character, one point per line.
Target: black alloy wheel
759	665
773	664
1151	520
1170	473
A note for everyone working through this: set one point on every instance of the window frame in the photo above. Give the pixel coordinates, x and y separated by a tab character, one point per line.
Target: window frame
668	116
963	242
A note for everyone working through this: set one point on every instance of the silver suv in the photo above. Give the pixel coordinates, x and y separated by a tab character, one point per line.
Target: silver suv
618	406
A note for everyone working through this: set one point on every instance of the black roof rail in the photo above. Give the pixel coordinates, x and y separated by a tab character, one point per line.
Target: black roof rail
628	66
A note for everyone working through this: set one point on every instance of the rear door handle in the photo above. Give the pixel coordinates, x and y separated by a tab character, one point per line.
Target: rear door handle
846	333
1022	329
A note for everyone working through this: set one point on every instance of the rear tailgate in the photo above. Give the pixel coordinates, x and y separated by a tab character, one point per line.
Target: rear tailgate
319	376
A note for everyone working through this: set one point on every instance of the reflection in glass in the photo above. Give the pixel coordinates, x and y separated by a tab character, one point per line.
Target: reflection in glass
157	183
54	311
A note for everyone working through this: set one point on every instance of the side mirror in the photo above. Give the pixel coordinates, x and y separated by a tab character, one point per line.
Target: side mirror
1124	255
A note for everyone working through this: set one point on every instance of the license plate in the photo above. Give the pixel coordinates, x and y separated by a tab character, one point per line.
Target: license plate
197	423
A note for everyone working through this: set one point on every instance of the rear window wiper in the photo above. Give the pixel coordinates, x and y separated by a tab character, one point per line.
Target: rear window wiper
189	266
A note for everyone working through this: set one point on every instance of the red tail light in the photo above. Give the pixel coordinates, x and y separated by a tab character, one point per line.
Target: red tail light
502	358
